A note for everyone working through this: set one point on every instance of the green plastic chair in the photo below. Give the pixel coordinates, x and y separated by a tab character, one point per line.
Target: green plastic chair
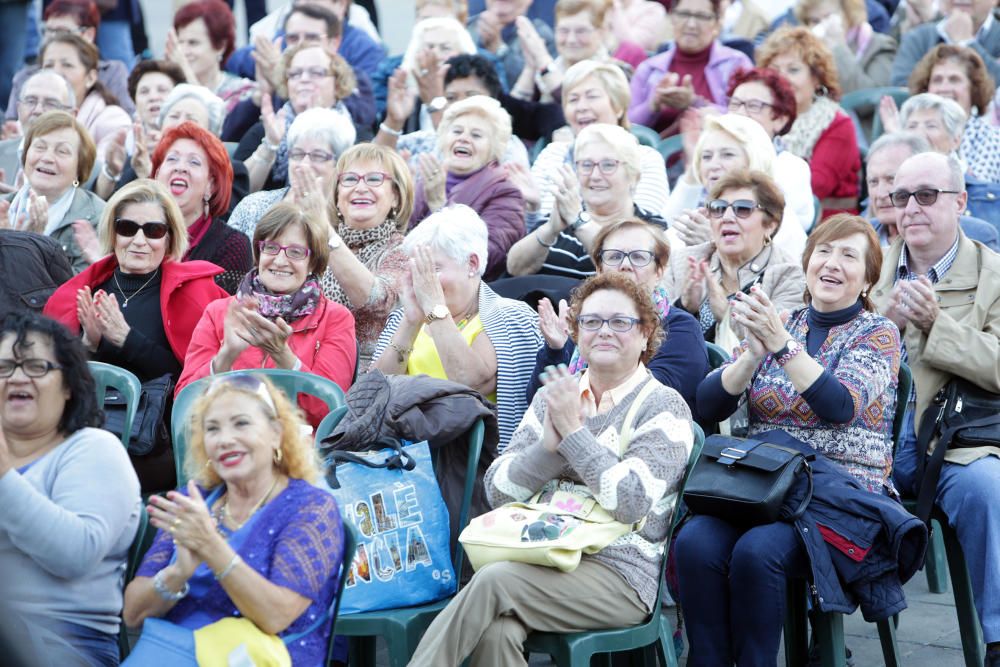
350	545
125	382
646	136
536	149
292	383
403	628
654	637
716	355
329	423
140	543
869	98
670	146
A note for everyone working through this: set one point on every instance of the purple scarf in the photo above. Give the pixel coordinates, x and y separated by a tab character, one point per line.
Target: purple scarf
289	307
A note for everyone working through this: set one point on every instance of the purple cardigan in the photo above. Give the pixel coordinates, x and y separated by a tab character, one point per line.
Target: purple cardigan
722	62
497	201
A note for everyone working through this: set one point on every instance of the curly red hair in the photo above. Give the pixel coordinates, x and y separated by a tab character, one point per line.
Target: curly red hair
783	95
219	21
810	48
220	169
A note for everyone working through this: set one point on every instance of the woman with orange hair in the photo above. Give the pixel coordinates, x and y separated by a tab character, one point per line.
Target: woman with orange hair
822	134
194	166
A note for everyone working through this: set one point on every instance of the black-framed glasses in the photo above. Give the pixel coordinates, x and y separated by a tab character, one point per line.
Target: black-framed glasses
618	323
372	179
46	104
925	196
742	208
33	368
316	157
313	73
607	166
151	230
752	106
293	252
614	257
698	17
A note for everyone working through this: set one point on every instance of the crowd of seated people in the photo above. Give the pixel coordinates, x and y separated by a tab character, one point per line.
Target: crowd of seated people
551	202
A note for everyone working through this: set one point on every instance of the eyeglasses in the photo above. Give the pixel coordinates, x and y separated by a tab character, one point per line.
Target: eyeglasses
314	156
925	196
246	382
46	104
294	252
742	208
607	166
372	179
612	257
151	230
33	368
697	17
313	72
619	323
752	106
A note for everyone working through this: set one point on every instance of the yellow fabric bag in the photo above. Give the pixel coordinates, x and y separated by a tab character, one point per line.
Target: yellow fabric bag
556	526
215	643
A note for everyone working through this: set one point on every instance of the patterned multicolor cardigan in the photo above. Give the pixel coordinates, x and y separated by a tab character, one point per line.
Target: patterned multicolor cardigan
864	354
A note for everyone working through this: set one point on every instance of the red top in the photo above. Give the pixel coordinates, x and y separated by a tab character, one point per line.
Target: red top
836	165
186	289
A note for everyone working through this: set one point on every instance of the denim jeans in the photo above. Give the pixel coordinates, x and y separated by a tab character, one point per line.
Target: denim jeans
114	39
732	589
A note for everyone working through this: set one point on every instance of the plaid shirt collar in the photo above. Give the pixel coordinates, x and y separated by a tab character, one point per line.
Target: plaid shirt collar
936	272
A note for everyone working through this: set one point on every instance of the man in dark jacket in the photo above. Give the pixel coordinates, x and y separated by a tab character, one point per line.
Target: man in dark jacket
32	266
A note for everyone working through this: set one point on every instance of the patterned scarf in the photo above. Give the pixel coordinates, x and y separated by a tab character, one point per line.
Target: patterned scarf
279	171
807	128
661	301
289	307
366	244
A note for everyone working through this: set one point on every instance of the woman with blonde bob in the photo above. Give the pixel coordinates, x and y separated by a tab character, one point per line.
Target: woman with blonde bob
472	137
138	306
729	143
250	536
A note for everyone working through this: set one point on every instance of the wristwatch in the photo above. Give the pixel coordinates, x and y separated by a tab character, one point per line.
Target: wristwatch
791	348
438	312
437	104
580	221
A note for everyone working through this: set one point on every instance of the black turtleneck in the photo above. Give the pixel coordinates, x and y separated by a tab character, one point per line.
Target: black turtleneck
146	351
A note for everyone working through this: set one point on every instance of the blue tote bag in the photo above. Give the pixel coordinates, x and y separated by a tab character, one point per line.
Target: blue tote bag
392	499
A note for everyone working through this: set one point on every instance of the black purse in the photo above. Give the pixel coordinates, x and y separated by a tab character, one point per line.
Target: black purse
150	428
746	481
961	415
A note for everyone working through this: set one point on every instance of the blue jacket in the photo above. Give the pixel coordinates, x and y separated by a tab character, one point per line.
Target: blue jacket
862	546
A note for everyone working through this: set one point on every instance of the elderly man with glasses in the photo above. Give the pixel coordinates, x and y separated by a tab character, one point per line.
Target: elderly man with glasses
943	292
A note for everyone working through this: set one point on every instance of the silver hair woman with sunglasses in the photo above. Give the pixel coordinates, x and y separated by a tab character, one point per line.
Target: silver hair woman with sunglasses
138	306
279	317
745	210
607	170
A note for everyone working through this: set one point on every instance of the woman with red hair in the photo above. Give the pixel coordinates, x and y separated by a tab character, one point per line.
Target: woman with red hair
201	41
194	166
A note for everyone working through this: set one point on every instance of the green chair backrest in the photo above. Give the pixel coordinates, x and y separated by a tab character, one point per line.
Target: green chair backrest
716	355
329	423
475	437
646	136
870	97
140	543
817	212
106	375
350	545
670	146
292	383
902	401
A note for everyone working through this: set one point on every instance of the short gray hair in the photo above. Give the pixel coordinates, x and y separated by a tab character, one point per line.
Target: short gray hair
70	95
457	231
487	108
458	33
911	140
213	104
952	114
622	142
328	125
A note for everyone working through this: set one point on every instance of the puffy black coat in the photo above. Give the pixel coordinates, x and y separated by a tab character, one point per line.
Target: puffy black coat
32	266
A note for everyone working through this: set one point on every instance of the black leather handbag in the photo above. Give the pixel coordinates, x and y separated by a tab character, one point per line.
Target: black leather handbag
746	481
151	426
961	415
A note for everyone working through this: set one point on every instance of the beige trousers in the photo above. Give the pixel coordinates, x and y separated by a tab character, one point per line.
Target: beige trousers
491	617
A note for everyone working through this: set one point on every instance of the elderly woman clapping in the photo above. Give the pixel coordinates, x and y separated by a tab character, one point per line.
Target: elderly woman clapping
607	171
472	137
250	536
279	318
452	325
745	210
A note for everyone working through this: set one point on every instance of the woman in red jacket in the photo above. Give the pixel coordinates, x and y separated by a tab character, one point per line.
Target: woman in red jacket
822	134
279	317
138	306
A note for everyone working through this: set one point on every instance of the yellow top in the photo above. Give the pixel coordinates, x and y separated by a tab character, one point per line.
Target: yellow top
425	358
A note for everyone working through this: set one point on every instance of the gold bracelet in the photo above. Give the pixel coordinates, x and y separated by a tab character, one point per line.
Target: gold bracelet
400	352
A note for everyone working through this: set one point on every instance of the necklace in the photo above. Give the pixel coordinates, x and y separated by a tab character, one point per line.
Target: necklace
222	510
125	302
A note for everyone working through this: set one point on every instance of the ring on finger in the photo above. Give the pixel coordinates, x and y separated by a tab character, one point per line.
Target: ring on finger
423	72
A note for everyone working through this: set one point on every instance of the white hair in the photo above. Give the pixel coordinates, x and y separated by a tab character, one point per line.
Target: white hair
70	95
328	125
463	41
487	108
952	114
457	231
213	104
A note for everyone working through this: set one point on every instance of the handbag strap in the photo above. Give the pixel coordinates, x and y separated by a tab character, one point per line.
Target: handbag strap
806	499
401	460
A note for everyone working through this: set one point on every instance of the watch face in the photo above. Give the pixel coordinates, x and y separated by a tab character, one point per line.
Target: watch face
440	312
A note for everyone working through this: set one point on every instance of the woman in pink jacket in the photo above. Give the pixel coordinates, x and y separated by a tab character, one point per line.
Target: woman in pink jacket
279	317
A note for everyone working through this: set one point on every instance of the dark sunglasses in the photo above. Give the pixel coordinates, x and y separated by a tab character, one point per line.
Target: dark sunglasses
151	230
742	208
925	196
